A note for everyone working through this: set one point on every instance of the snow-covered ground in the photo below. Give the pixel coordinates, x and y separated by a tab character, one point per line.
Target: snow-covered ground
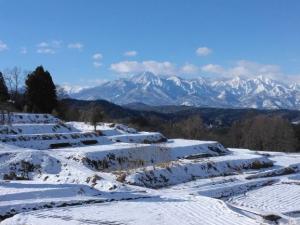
118	175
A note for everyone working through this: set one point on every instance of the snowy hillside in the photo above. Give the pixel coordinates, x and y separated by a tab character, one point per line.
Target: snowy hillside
152	89
53	172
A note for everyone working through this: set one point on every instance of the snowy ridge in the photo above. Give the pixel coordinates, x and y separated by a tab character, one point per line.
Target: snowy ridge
152	89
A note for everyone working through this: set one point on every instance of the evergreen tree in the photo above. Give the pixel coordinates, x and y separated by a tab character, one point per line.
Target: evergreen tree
4	96
40	91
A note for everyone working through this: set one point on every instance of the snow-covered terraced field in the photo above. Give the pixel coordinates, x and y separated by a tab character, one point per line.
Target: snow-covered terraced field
28	128
64	173
55	140
28	195
282	198
39	131
19	118
153	211
108	129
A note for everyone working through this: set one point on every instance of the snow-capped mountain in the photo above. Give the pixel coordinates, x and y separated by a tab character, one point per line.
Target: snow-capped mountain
149	88
70	89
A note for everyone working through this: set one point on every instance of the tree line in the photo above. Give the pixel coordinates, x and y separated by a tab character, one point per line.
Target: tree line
268	133
261	132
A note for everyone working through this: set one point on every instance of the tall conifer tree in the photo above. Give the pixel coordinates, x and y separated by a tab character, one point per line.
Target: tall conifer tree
40	91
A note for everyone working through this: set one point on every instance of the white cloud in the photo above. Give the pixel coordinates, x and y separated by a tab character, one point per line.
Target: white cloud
126	67
244	68
212	68
3	46
97	60
94	82
159	67
130	53
97	56
23	50
97	64
76	45
203	51
48	47
46	51
43	45
156	67
249	68
189	69
83	84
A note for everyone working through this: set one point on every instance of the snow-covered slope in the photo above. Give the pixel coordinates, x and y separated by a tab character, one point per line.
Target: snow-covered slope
140	178
149	88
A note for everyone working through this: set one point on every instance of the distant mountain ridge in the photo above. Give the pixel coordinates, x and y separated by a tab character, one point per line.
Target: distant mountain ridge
151	89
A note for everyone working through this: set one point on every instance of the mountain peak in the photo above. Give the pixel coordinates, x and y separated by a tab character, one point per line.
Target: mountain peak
144	76
147	78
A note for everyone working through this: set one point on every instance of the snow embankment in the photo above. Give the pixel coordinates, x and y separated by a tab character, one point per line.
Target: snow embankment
124	156
180	171
22	196
58	140
141	137
48	128
25	164
108	129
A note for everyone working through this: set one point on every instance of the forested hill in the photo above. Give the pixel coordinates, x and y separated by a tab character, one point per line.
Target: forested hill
221	117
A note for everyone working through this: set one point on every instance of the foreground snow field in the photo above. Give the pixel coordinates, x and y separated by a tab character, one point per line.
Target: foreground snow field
64	173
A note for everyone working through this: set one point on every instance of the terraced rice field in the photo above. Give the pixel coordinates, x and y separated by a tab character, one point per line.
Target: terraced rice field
118	175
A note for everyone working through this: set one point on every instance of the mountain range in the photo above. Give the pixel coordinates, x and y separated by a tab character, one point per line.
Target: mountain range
152	89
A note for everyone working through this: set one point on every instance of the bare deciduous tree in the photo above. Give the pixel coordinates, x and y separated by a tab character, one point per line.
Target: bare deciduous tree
96	116
93	116
190	128
14	78
264	133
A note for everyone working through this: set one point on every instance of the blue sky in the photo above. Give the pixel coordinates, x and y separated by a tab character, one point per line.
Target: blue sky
87	41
